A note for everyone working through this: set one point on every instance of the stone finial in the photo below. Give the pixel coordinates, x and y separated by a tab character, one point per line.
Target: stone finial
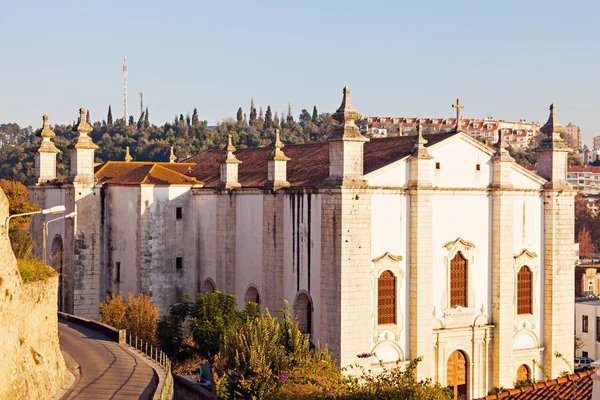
128	157
46	131
83	141
501	148
172	157
47	146
552	130
277	154
229	157
420	149
346	117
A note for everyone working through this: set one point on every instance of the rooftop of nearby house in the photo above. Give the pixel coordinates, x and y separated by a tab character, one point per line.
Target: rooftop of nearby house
576	386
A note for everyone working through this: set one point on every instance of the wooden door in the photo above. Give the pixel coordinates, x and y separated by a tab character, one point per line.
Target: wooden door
457	374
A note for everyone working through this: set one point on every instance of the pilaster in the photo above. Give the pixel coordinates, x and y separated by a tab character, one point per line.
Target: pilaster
272	266
226	218
82	153
420	258
503	277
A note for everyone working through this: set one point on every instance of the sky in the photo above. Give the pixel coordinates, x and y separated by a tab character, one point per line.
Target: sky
508	60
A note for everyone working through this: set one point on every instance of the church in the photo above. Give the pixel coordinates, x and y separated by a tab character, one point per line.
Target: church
432	246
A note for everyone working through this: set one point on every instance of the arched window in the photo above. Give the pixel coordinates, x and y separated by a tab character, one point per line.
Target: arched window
458	281
524	298
252	295
303	311
386	298
523	373
208	286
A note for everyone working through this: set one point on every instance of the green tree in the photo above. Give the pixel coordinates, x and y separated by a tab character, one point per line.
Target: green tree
131	121
139	316
268	118
195	119
596	162
87	117
17	195
240	117
109	117
146	119
315	116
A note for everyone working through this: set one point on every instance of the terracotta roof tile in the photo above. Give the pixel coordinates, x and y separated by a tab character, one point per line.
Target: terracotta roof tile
309	165
135	173
584	168
573	387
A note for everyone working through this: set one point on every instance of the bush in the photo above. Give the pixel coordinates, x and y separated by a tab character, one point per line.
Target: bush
139	316
33	270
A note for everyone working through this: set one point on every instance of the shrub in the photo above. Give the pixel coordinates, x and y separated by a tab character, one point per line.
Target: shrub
33	270
139	316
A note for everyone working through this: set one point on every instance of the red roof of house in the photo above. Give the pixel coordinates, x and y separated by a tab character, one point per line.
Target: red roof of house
584	168
309	164
573	387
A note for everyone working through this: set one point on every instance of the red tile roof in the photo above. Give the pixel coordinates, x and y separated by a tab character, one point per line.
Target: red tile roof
584	168
573	387
309	165
136	173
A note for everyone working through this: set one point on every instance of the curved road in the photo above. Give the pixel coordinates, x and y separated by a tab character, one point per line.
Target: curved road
107	370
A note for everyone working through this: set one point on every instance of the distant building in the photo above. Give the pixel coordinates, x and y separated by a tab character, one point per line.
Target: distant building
590	155
596	142
516	134
573	136
586	178
587	327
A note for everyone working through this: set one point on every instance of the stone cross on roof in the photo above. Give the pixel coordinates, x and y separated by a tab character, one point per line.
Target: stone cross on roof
458	106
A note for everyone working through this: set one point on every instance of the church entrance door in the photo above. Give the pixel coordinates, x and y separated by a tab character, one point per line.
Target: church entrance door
457	374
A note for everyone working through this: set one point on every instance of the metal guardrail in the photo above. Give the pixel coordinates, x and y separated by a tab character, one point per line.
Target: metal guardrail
157	355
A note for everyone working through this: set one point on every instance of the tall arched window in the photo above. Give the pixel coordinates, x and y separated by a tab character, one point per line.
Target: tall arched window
386	298
524	288
458	281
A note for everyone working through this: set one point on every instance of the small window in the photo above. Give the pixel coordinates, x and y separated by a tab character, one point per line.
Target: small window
179	212
584	323
584	354
478	167
179	262
118	271
437	165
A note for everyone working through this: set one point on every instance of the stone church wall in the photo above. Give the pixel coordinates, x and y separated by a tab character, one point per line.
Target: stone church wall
32	365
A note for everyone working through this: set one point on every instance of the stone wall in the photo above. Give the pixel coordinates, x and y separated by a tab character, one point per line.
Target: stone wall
32	365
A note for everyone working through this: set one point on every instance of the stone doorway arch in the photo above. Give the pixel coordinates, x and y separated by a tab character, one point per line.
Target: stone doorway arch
56	261
458	374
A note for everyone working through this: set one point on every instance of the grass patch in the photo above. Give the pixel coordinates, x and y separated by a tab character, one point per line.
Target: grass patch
33	270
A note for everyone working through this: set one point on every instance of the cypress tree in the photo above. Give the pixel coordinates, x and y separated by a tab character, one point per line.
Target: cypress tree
131	120
315	116
87	117
290	117
109	119
195	119
251	107
140	123
240	116
146	119
268	118
252	116
260	113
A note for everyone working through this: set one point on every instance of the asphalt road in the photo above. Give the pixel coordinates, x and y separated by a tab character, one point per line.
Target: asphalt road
107	370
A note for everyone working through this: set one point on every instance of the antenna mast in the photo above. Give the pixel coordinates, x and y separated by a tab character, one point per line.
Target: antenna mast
141	103
125	89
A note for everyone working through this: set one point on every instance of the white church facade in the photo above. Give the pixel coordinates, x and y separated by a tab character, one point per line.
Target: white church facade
431	246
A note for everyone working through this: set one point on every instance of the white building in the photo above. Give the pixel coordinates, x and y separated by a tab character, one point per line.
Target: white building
585	179
433	246
587	328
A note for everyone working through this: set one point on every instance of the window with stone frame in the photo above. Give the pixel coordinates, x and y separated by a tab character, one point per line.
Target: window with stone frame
386	298
524	290
459	276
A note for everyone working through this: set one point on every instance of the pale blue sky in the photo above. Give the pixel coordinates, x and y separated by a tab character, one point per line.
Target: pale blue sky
507	59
